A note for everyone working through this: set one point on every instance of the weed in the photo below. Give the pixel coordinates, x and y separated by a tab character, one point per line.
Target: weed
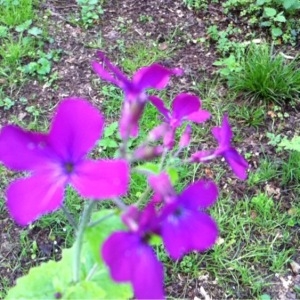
290	169
15	12
141	54
266	77
90	11
266	171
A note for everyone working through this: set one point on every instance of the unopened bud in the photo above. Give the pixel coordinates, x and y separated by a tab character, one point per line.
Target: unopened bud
147	152
186	137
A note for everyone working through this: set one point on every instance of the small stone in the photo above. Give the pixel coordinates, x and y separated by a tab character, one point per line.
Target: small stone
295	267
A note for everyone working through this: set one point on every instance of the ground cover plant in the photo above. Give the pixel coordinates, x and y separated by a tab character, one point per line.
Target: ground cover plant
257	252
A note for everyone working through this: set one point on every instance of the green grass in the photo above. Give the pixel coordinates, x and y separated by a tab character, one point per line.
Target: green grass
253	235
266	77
15	12
141	54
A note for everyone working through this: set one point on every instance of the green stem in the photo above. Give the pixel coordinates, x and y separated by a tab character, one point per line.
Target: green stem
89	205
69	217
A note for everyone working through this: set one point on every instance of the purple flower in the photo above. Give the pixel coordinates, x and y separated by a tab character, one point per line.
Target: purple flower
154	76
185	107
224	135
59	158
184	226
131	259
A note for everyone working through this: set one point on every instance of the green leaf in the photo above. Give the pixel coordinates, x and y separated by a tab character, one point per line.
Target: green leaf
108	143
280	18
148	168
53	280
173	174
111	129
260	2
276	32
44	281
266	23
35	31
44	66
270	12
293	144
24	26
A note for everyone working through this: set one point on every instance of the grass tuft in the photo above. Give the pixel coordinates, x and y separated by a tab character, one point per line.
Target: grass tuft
266	77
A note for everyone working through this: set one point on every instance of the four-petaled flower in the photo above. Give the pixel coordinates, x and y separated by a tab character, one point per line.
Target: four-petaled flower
184	226
57	159
131	259
185	107
154	76
224	135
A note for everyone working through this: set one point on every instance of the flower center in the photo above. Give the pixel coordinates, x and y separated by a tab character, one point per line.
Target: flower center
69	167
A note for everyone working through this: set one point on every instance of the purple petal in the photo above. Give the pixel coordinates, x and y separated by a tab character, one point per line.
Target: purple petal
154	76
131	115
105	75
186	137
29	198
101	179
114	69
237	163
131	260
223	134
200	116
188	230
23	150
158	132
161	185
203	156
200	194
184	105
76	127
159	104
146	152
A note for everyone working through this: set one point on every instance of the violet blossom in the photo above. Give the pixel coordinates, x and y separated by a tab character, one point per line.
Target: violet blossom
184	226
154	76
130	258
185	107
58	158
223	135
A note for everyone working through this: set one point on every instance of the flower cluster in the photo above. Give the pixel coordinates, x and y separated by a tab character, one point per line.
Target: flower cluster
59	158
182	224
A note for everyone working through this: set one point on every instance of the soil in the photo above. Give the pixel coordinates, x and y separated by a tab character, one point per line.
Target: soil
171	25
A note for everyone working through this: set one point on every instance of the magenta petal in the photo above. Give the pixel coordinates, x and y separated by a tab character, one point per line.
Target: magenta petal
101	179
223	134
203	156
154	76
200	194
29	198
237	163
114	69
187	231
159	104
98	68
23	150
76	127
131	260
184	105
161	185
200	116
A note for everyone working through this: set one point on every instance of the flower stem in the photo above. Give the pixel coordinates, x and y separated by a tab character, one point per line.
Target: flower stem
69	217
89	205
